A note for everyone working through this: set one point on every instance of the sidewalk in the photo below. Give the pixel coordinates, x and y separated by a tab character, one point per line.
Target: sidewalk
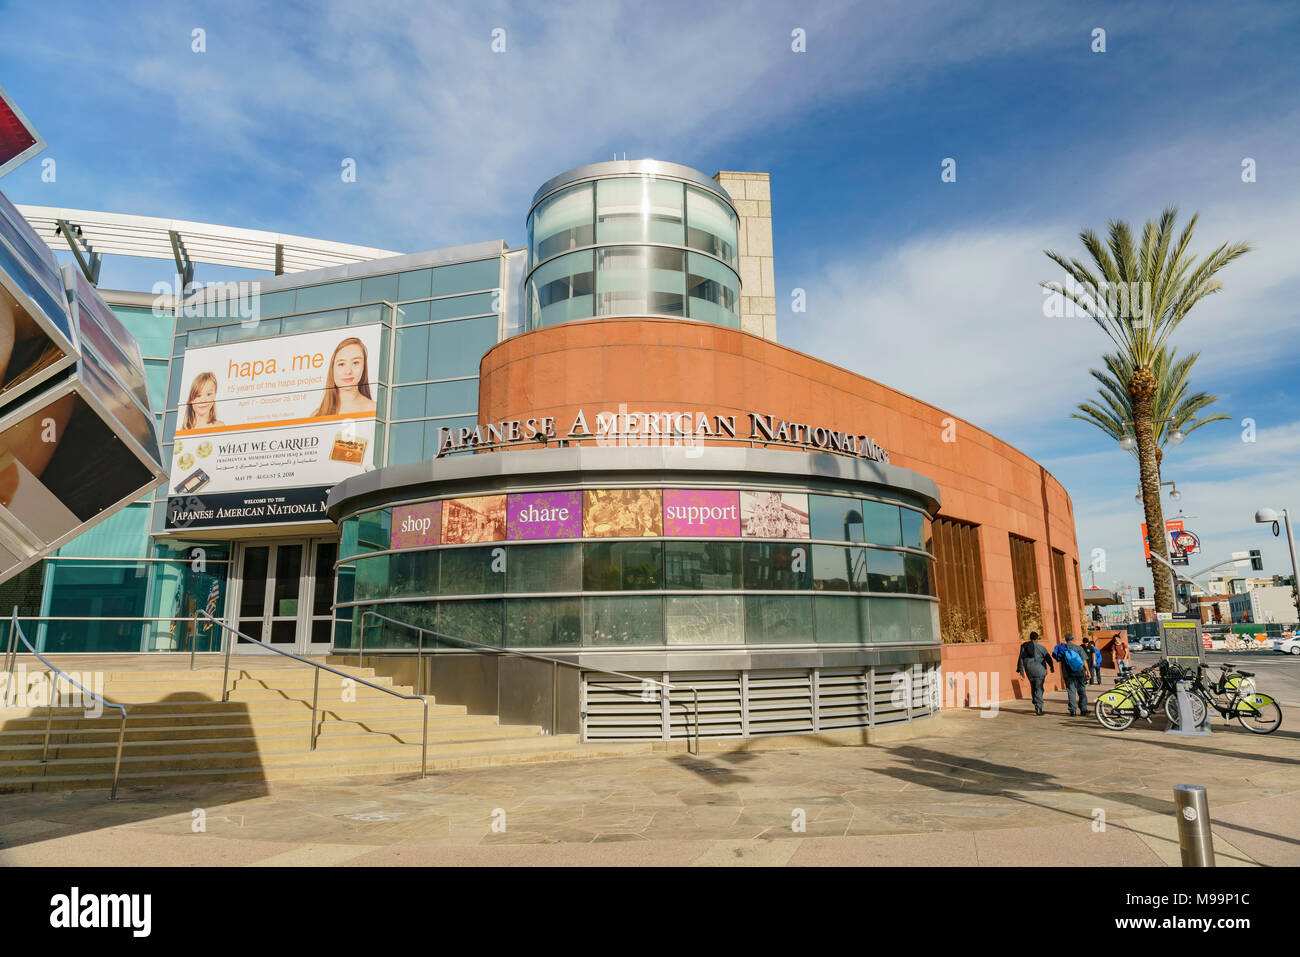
1014	789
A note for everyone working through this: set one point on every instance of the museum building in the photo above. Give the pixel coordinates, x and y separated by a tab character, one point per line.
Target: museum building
591	448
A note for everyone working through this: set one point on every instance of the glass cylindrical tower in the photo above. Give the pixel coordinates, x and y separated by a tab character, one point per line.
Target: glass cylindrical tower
632	238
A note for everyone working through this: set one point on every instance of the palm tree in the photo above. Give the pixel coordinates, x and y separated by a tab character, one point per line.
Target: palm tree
1172	408
1144	292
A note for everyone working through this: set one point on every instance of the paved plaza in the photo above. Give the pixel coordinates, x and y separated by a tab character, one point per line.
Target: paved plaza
1015	789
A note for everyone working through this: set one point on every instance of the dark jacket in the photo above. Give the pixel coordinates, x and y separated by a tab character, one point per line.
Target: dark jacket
1034	660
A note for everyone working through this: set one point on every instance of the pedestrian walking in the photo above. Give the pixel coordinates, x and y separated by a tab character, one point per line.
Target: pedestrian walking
1093	654
1034	664
1122	660
1074	669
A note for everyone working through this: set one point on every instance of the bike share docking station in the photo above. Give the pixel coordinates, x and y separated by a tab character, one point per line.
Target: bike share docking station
1182	644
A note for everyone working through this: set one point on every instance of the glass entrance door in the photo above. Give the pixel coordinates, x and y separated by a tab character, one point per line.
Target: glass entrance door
286	590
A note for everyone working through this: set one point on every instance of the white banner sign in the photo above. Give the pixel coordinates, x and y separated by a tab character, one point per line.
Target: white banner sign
280	413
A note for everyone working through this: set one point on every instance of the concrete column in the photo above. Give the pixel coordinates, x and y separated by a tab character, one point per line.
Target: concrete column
752	195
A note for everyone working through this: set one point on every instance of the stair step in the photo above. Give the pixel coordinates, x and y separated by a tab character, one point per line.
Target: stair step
405	767
145	710
262	744
332	758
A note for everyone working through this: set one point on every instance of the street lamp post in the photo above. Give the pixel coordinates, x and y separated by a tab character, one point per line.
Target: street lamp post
1267	516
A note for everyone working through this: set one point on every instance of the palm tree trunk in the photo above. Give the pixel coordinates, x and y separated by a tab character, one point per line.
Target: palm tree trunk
1149	472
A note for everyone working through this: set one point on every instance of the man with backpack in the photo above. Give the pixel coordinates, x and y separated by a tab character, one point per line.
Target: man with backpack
1074	669
1034	664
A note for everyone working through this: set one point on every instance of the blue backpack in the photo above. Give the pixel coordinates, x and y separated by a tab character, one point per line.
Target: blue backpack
1069	657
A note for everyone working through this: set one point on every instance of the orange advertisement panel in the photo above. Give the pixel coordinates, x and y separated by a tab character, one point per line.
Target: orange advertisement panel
469	520
622	512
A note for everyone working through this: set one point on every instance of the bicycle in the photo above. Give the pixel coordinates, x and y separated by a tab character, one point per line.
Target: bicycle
1258	713
1139	696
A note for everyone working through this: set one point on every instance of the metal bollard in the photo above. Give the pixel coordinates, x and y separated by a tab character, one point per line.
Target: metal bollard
1195	840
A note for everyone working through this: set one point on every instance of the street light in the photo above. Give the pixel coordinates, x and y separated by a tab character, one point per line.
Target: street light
1176	437
1126	442
1267	516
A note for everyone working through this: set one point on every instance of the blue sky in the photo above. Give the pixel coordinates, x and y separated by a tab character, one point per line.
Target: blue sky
930	287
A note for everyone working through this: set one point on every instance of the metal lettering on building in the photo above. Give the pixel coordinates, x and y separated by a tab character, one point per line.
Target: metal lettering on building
658	428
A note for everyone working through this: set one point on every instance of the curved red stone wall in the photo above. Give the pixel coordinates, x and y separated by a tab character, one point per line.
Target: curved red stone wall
655	365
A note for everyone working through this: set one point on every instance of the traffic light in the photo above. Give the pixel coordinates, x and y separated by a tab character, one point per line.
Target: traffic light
1142	592
1256	560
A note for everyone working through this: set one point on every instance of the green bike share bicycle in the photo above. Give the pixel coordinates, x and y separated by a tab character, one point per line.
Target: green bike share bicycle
1147	692
1233	695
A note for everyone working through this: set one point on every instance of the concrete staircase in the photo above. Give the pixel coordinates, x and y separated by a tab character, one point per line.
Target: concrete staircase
178	731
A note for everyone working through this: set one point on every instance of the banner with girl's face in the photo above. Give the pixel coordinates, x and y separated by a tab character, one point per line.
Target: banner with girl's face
288	412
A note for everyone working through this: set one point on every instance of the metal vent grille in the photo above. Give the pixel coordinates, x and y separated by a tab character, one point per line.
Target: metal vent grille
779	702
843	698
755	703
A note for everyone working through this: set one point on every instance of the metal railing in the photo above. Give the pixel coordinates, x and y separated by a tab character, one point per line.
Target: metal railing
315	694
11	657
554	662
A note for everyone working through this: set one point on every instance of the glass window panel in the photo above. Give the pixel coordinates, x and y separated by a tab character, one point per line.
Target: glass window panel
622	566
459	306
773	566
413	354
347	584
564	220
471	571
544	568
703	620
885	571
771	619
918	574
841	619
889	620
252	598
156	371
455	348
623	621
638	209
288	579
315	320
360	315
277	303
839	569
323	596
200	337
458	397
380	288
371	579
881	522
834	518
467	277
561	290
714	292
373	530
711	226
913	528
702	565
412	573
406	443
329	295
479	621
415	285
408	402
348	538
543	622
409	313
639	280
920	616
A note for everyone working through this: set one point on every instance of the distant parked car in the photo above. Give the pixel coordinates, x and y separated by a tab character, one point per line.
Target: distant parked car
1288	646
1150	643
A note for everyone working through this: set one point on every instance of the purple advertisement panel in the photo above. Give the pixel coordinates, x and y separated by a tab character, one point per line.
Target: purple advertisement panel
416	526
534	515
692	513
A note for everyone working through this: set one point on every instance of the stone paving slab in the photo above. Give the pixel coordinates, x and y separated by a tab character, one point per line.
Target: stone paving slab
1014	790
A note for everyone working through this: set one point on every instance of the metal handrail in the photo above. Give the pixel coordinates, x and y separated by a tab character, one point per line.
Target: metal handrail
554	662
315	694
11	657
